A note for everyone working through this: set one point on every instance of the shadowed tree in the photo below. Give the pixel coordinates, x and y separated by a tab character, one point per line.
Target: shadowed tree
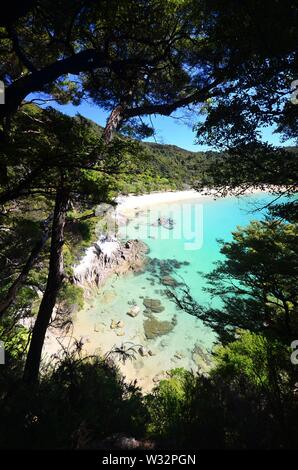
143	57
259	97
63	164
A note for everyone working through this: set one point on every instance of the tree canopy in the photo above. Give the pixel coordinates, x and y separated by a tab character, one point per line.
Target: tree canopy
149	57
235	64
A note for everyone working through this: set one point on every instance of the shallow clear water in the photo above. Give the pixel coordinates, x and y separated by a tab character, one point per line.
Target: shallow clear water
198	224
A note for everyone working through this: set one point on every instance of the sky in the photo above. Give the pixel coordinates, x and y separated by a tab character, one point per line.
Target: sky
175	130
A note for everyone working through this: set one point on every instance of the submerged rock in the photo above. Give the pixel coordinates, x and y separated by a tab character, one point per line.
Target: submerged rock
165	222
153	305
169	281
154	328
201	358
108	297
179	355
148	313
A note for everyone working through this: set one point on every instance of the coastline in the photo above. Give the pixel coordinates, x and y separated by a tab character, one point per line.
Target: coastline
127	205
98	313
133	201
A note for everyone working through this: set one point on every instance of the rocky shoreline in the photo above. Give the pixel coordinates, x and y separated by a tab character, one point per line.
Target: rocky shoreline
109	256
145	328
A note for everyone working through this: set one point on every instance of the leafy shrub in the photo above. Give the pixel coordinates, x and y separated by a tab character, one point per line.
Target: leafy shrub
78	404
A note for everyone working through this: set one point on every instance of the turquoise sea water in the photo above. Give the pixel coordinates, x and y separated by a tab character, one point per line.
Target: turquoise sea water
193	244
194	239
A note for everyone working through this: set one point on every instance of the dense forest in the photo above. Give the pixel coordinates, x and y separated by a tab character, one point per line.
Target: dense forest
232	64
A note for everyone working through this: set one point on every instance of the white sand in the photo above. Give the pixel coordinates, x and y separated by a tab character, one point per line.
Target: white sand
157	198
126	203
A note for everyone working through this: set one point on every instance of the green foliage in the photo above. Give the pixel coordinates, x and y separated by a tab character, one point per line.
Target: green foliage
256	279
258	97
250	373
78	404
71	296
259	165
166	403
251	356
256	322
254	284
141	54
15	342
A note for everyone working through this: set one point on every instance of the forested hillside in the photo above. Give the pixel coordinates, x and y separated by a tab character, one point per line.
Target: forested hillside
182	168
166	167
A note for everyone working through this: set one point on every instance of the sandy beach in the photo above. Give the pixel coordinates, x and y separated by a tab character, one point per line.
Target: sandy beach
144	200
127	205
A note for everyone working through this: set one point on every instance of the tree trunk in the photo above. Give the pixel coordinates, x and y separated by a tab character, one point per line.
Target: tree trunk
113	123
116	117
54	281
18	283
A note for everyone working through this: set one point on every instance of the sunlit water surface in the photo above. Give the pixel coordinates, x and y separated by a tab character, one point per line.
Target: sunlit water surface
193	243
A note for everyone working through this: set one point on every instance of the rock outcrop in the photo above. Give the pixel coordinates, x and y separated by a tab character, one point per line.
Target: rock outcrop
134	311
108	256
